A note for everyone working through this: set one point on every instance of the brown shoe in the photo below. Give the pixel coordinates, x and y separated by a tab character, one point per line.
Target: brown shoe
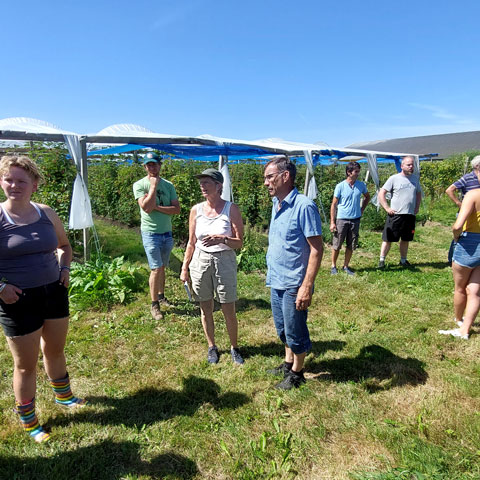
155	311
163	301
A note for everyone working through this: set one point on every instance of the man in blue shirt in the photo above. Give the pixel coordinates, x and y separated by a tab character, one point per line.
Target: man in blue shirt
294	255
345	213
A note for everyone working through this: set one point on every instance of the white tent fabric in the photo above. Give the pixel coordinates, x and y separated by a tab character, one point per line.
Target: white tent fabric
81	216
31	125
311	188
373	169
81	208
227	182
125	129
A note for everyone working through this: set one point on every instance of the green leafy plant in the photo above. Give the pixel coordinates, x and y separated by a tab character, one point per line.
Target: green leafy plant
102	283
252	255
271	453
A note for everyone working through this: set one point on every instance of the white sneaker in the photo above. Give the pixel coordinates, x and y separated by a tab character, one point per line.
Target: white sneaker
454	333
459	323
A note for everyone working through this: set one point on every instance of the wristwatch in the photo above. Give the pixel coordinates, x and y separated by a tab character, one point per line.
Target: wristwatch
2	286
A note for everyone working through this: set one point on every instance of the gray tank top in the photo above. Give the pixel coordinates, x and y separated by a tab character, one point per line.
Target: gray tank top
27	252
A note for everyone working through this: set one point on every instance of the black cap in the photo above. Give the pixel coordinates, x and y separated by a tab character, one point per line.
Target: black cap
213	174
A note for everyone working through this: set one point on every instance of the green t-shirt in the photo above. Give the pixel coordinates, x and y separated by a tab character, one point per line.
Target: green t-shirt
155	222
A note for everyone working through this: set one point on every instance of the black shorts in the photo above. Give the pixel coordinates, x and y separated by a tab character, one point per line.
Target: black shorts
34	306
399	227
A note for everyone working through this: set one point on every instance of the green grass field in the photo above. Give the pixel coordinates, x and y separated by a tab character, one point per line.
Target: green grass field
386	397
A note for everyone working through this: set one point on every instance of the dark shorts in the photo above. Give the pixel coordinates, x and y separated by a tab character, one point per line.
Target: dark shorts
34	306
347	229
399	227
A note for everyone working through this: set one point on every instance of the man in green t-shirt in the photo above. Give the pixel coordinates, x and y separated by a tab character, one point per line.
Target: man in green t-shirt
158	201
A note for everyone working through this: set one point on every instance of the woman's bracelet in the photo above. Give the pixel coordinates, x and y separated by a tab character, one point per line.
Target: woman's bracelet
64	268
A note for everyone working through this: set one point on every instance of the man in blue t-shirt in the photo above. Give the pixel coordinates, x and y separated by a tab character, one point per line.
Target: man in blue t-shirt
295	250
345	214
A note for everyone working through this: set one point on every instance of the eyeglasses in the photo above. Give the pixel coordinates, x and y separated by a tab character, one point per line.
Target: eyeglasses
270	177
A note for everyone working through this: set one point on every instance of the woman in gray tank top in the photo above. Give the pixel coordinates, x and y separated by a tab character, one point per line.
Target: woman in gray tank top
35	257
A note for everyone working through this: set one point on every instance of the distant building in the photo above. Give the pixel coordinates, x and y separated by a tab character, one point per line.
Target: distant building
445	144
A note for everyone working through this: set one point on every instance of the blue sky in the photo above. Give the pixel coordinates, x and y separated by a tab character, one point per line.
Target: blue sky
337	72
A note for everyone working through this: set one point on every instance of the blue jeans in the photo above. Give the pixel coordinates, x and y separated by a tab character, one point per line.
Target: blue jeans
157	247
291	324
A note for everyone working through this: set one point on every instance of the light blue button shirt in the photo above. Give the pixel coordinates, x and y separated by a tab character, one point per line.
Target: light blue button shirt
349	199
288	249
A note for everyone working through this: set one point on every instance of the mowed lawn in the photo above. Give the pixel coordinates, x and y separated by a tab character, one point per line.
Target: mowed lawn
386	396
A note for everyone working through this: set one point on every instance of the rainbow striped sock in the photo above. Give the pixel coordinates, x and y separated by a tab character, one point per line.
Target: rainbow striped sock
28	417
63	393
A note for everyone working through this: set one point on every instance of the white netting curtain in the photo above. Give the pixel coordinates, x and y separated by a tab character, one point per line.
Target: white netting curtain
227	182
312	190
373	168
81	209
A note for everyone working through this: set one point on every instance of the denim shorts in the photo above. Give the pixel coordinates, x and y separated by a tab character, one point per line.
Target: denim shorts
467	250
34	306
291	324
158	247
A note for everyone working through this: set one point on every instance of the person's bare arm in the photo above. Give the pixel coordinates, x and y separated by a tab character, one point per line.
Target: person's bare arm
333	214
305	292
451	191
148	201
64	249
366	200
418	202
172	209
383	201
466	209
192	240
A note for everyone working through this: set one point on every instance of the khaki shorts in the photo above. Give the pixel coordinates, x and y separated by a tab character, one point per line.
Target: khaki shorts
214	275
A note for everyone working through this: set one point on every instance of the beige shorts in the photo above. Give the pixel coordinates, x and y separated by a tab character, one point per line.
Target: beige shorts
214	275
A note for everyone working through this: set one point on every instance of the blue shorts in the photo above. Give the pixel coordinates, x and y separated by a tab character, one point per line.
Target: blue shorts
158	247
291	324
467	250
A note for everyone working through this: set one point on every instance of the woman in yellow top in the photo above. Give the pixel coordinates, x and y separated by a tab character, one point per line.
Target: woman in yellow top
466	264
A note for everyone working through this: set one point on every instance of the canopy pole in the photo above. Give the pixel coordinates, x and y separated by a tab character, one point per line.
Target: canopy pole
84	175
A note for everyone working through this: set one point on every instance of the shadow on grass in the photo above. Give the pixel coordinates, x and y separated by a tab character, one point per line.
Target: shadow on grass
276	349
375	368
243	304
414	268
148	405
107	460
